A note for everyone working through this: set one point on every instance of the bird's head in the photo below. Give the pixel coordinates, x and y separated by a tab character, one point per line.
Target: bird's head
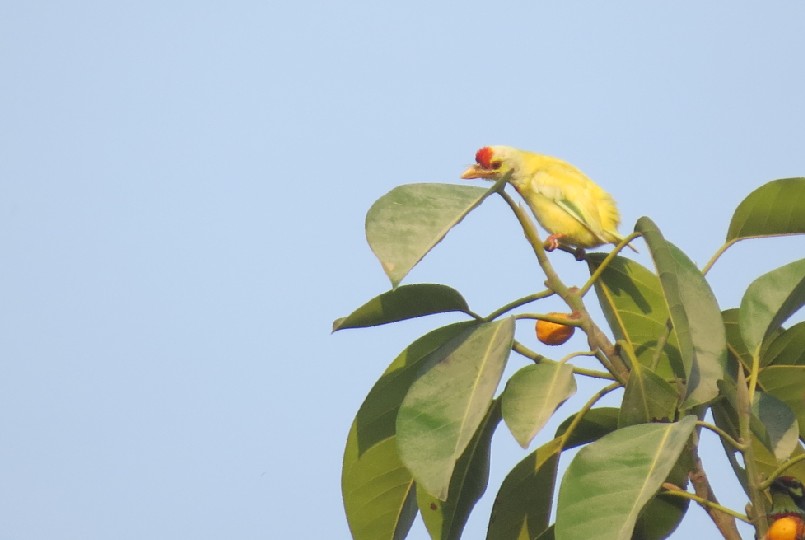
493	163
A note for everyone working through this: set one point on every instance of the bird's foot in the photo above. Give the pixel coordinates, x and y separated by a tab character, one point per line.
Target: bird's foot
580	254
552	242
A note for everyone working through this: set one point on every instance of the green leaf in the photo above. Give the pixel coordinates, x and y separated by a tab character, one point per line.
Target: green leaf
777	428
736	348
632	300
378	490
694	313
446	520
770	300
523	505
609	481
594	425
532	395
786	383
444	407
647	398
405	223
788	348
773	209
402	303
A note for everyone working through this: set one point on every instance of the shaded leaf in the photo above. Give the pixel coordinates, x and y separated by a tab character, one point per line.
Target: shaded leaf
647	398
610	480
773	209
736	348
788	348
694	313
633	303
777	426
594	425
445	520
770	300
405	223
786	383
378	490
532	395
444	407
402	303
522	507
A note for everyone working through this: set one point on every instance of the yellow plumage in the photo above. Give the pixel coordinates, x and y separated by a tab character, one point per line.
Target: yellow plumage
570	206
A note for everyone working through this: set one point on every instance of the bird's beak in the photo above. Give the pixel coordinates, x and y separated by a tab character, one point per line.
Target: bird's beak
476	171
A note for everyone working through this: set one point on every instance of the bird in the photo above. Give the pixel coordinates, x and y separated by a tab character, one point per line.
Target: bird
786	513
571	207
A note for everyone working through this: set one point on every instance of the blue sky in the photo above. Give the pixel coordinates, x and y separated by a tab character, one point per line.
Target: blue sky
182	193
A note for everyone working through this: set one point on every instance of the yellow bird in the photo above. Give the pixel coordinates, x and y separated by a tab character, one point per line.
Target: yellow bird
570	206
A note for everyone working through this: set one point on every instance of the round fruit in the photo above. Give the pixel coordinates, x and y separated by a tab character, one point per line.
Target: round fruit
551	333
785	528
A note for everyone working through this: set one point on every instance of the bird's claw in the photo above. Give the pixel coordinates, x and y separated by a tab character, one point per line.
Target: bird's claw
552	242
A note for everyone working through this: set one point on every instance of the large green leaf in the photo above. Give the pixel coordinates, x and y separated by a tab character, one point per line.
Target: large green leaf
788	348
773	209
770	300
446	519
647	398
444	407
532	395
378	490
777	428
609	481
593	425
402	303
405	223
786	383
694	313
634	306
523	505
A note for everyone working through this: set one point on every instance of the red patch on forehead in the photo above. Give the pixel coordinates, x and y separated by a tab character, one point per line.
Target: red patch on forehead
484	157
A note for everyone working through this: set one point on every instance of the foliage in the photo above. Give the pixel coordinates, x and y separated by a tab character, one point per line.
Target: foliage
420	442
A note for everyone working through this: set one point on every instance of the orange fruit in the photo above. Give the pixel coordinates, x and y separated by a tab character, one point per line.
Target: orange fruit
786	528
551	333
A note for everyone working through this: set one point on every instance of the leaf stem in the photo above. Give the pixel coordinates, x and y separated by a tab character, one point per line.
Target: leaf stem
539	359
567	321
587	406
723	434
706	268
517	303
676	491
780	470
607	260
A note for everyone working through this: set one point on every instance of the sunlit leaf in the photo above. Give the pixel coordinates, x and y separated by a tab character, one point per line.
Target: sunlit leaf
777	428
445	520
736	348
694	313
593	425
610	480
523	505
405	223
444	407
402	303
633	303
773	209
532	395
770	300
378	490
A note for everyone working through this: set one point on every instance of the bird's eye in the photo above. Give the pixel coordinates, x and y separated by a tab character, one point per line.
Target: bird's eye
496	164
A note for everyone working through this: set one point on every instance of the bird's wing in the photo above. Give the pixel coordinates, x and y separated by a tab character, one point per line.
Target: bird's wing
571	192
